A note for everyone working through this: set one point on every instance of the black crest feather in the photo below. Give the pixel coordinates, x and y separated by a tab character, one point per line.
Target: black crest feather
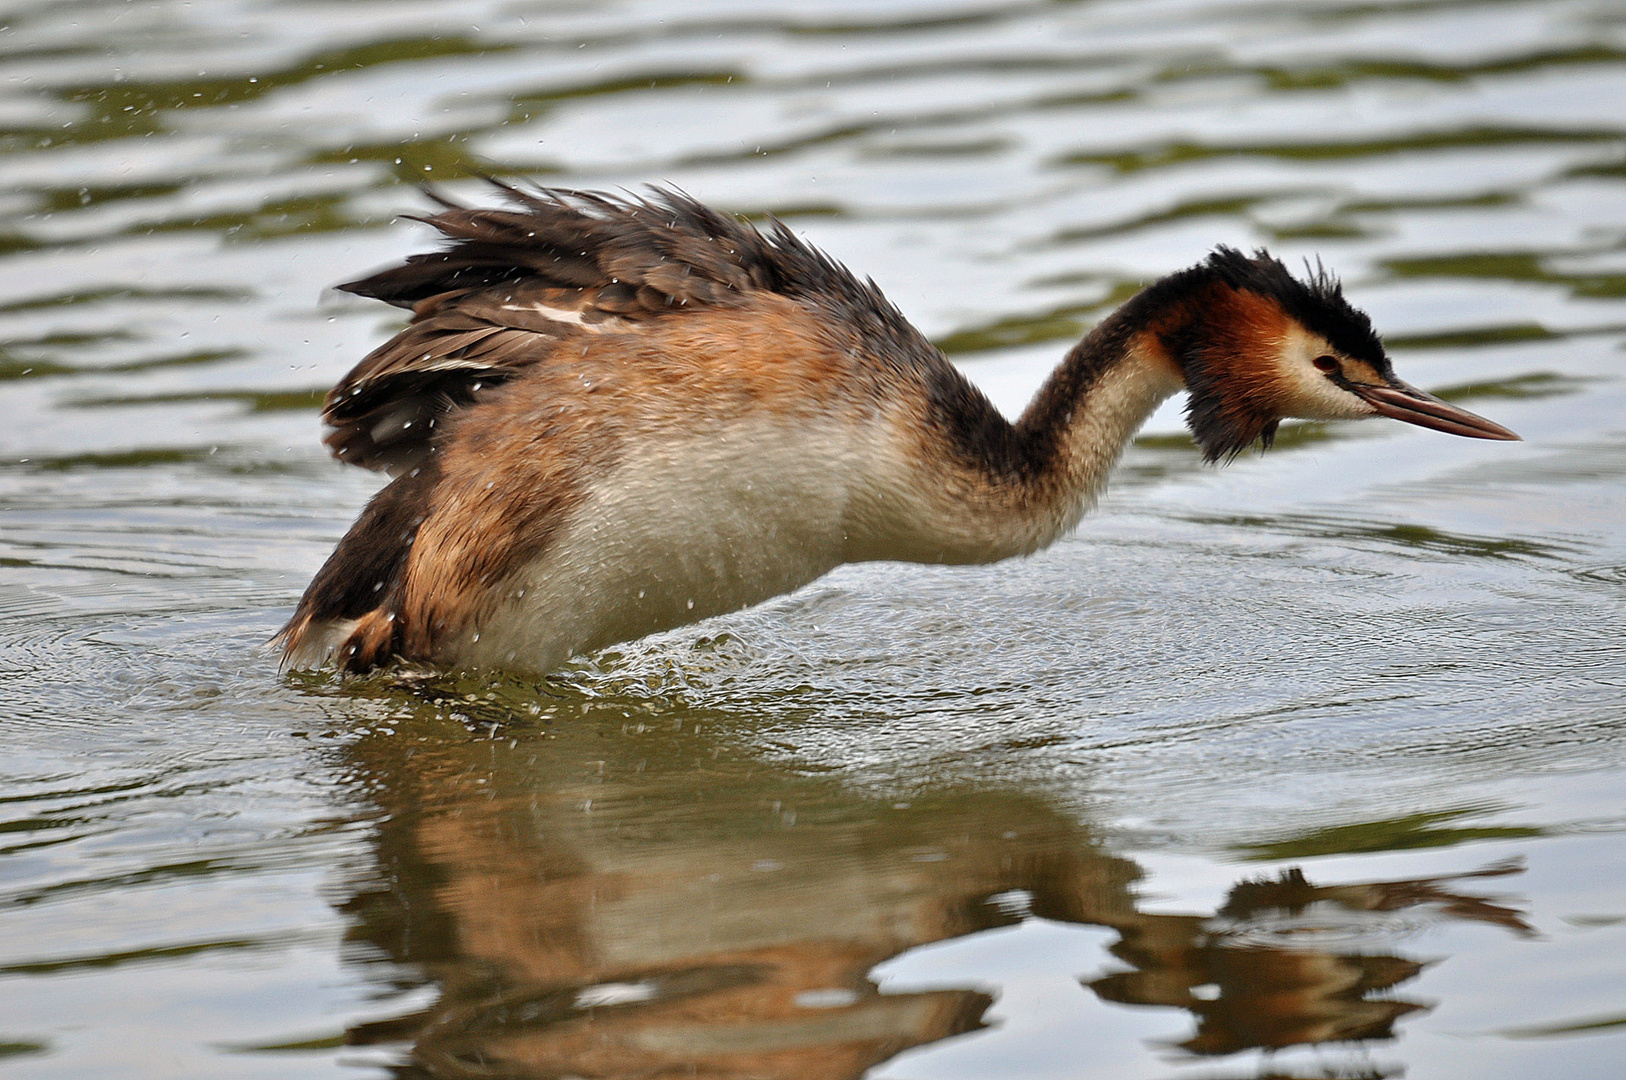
1317	302
1227	414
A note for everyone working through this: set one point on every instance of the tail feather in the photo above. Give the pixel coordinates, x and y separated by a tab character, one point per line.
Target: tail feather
353	645
349	610
374	641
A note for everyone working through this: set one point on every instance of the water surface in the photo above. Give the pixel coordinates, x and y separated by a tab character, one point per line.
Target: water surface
1307	767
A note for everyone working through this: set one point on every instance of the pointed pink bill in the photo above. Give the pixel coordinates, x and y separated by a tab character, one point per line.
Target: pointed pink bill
1405	402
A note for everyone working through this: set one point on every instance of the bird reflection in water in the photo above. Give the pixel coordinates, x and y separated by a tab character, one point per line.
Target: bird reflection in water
1253	976
607	900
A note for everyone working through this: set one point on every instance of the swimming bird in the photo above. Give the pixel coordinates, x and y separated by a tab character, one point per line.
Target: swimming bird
615	415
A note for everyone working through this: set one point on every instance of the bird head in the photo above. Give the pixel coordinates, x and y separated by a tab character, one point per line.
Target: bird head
1259	345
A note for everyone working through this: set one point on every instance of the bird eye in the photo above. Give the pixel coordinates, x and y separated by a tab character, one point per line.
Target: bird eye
1326	363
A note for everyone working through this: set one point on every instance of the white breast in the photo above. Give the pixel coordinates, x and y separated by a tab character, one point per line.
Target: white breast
678	531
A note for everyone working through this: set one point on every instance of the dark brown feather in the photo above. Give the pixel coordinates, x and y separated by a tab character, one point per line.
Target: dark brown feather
364	574
481	306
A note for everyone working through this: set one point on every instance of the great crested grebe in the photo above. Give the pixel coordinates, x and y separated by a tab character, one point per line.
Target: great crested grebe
613	416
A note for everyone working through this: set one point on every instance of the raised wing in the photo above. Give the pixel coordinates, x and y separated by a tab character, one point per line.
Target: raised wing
512	285
517	282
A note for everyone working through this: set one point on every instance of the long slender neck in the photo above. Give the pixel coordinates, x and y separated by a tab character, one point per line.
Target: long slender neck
1018	488
1089	409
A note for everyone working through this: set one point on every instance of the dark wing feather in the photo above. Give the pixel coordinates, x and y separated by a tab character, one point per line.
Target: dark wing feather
515	282
384	413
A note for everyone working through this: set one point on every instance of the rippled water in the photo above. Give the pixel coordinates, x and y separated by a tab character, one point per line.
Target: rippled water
1309	767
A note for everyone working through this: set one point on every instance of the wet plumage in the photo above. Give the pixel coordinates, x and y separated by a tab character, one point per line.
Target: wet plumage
610	417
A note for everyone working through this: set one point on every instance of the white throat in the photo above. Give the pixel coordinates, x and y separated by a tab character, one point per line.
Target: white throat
949	513
1116	407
